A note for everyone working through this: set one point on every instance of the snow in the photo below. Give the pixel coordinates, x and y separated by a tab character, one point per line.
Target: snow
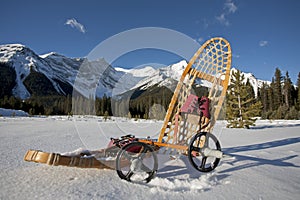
120	69
138	72
256	83
50	54
21	65
164	76
264	162
12	113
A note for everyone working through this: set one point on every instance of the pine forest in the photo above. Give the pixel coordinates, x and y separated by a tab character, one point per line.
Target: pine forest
278	100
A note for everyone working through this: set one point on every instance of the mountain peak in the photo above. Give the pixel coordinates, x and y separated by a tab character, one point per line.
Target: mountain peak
50	54
8	51
13	46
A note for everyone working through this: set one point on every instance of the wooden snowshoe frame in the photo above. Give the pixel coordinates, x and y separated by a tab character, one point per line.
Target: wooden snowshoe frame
211	63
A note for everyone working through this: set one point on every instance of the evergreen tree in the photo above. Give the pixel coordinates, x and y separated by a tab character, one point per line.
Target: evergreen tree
298	88
251	90
242	107
287	91
277	89
271	96
263	97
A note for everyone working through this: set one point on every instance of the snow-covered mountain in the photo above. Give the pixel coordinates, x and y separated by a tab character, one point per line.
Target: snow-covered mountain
61	72
147	77
169	75
58	74
256	83
87	77
163	76
24	61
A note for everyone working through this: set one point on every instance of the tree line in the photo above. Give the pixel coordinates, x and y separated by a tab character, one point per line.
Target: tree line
281	98
278	100
59	105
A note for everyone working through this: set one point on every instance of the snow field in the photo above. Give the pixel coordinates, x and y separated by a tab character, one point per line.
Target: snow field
264	162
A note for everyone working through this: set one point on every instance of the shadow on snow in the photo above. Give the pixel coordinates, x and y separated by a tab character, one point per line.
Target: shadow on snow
274	126
173	172
257	161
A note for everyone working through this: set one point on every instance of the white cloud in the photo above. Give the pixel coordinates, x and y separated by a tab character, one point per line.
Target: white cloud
263	43
200	39
75	24
230	6
205	23
235	55
222	19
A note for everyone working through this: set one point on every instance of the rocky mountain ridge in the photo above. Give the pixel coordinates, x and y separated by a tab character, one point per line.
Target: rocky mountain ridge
60	75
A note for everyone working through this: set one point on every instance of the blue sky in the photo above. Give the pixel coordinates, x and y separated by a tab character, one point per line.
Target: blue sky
263	33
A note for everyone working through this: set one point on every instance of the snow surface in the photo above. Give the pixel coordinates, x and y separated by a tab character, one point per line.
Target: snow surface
265	162
12	113
138	72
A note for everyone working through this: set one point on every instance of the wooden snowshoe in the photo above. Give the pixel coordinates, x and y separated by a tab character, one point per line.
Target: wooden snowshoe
187	127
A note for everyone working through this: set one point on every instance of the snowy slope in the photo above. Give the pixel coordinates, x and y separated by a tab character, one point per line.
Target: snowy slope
166	76
78	73
266	164
163	76
256	83
130	79
60	67
23	60
138	72
12	113
146	77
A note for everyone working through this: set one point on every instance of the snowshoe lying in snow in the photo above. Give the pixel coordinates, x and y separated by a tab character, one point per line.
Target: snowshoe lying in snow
103	158
133	160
